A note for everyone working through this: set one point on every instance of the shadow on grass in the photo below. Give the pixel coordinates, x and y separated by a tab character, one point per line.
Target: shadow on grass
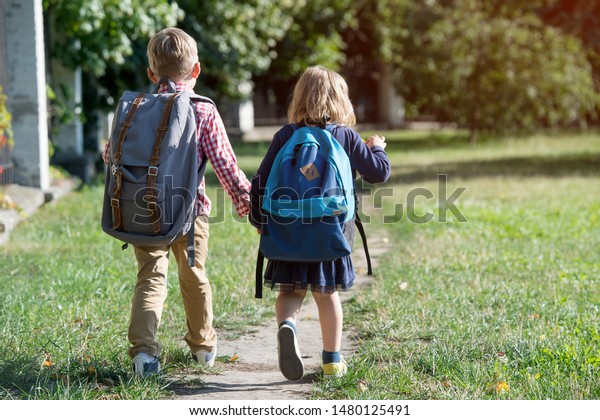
18	377
585	164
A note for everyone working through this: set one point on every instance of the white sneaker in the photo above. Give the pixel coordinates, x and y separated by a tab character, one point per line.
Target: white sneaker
145	365
205	357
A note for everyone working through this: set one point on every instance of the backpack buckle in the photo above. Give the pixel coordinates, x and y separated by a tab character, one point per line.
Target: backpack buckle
152	170
113	169
114	202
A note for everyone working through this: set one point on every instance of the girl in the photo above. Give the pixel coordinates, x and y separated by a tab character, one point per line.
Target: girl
319	95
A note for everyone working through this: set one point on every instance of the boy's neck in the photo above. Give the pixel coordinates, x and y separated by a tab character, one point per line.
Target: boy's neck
186	84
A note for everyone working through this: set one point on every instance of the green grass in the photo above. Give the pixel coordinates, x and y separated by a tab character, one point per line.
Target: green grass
508	300
66	296
503	306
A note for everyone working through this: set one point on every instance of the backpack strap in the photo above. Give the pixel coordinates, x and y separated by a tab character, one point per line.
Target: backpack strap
363	236
115	200
152	195
260	261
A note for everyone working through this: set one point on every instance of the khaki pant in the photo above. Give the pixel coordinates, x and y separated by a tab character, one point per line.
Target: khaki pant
151	291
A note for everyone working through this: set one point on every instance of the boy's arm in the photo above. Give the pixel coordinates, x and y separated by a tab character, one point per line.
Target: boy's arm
217	148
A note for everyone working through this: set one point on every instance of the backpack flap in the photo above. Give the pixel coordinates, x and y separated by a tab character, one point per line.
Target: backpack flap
143	128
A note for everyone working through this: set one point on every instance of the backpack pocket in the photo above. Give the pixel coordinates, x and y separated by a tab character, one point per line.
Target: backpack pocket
308	240
136	215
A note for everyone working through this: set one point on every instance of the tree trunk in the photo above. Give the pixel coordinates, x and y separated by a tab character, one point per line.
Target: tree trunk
473	136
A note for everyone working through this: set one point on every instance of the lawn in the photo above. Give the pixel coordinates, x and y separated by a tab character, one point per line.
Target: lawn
504	305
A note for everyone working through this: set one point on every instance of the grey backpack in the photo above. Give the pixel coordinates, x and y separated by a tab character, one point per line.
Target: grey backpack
153	172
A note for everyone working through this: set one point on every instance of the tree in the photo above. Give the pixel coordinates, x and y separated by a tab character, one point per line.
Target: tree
314	36
235	40
94	34
580	18
489	66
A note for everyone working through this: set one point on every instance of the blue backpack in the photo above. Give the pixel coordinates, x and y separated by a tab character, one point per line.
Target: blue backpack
308	198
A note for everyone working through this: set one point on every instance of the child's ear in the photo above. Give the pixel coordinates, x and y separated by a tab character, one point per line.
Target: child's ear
196	70
151	76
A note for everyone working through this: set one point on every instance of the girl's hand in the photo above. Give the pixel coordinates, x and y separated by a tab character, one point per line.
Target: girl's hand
375	140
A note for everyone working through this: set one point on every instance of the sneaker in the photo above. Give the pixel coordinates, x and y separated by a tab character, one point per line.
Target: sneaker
145	365
290	362
205	357
335	370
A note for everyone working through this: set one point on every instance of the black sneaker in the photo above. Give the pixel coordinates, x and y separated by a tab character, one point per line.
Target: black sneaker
290	362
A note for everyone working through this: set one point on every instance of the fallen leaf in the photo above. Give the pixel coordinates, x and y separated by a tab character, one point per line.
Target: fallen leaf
403	285
501	387
533	316
362	386
91	370
165	305
47	361
233	358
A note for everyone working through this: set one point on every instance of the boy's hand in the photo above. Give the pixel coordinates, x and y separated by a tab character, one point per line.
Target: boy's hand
375	140
246	204
105	154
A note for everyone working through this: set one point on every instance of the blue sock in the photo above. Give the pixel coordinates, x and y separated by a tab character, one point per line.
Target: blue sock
331	357
290	324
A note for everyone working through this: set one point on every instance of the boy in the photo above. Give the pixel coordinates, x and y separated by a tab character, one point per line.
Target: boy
173	54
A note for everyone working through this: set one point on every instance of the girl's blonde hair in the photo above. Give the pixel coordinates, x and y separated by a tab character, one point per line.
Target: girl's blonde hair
321	92
172	53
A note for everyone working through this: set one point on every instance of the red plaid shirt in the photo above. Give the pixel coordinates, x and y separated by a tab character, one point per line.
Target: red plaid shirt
213	144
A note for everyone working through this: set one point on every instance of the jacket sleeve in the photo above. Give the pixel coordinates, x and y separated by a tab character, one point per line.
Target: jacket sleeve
218	149
372	163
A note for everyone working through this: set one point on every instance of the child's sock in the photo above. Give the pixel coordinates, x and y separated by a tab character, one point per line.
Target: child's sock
290	324
331	357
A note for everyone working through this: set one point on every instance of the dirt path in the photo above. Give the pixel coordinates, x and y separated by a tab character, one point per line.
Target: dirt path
255	374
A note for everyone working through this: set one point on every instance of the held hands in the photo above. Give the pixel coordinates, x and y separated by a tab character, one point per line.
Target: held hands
375	140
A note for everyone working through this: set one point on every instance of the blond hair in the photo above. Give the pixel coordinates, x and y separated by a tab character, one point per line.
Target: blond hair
321	92
172	53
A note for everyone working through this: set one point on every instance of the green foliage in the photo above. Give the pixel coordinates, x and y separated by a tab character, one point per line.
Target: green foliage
314	37
488	66
6	134
94	33
580	18
235	39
